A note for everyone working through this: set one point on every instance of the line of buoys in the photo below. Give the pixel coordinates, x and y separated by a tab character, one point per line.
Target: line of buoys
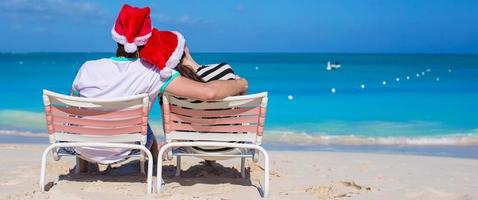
397	79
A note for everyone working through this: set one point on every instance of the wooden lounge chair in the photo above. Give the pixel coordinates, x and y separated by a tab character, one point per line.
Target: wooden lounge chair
91	122
234	122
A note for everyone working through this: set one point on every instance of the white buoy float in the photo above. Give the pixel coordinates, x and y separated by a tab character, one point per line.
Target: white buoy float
384	82
397	79
417	75
408	77
437	79
333	90
423	73
449	70
257	67
290	97
362	86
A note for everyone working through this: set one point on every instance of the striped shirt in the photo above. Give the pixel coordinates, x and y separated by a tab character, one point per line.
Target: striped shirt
222	71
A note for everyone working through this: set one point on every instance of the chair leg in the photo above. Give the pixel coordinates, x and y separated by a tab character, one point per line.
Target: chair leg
78	165
243	167
141	167
55	154
178	166
159	175
43	168
265	189
141	163
42	175
149	175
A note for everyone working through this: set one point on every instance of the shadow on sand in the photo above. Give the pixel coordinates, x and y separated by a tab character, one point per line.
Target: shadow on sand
128	171
206	174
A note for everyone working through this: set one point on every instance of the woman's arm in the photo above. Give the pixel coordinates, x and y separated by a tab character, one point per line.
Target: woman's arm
213	90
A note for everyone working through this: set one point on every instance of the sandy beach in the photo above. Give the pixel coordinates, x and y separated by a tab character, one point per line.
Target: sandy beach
294	175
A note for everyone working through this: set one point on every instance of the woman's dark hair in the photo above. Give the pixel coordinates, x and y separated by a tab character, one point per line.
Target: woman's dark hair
120	52
188	72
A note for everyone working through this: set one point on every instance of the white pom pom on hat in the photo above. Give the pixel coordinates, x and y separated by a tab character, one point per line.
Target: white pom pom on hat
165	73
130	47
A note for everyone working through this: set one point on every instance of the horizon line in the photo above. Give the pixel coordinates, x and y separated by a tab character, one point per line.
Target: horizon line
258	52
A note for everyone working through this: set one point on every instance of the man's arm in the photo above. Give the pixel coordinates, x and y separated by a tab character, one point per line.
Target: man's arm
213	90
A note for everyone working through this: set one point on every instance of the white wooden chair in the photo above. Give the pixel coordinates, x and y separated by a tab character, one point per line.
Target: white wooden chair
215	124
92	122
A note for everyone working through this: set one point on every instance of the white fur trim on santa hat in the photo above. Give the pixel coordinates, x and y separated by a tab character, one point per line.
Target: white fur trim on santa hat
175	57
139	41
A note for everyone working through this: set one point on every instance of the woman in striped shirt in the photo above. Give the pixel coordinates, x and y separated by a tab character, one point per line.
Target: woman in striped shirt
205	73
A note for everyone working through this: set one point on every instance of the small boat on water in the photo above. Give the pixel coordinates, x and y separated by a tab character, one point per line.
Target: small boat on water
331	66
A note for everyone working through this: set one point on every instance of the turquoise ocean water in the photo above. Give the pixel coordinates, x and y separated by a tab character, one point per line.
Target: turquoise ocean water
438	105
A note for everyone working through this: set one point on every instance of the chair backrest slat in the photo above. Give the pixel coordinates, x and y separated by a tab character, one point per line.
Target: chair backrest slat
68	111
213	121
226	112
215	104
97	131
219	129
106	105
98	122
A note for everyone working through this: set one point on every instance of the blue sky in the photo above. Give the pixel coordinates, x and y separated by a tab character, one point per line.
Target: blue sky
363	26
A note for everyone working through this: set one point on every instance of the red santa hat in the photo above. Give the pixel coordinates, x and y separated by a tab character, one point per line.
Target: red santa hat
132	28
164	50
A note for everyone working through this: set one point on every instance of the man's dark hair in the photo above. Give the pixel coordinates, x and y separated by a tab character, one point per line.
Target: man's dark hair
120	52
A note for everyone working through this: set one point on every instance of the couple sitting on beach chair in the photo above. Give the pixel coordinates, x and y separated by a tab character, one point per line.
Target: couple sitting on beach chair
105	120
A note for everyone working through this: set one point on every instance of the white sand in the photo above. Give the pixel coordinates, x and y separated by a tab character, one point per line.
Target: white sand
295	175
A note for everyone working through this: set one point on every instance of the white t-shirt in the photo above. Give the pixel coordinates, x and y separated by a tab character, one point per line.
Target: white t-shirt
116	77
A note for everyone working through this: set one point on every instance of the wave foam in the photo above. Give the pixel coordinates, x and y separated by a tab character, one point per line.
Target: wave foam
22	133
295	138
